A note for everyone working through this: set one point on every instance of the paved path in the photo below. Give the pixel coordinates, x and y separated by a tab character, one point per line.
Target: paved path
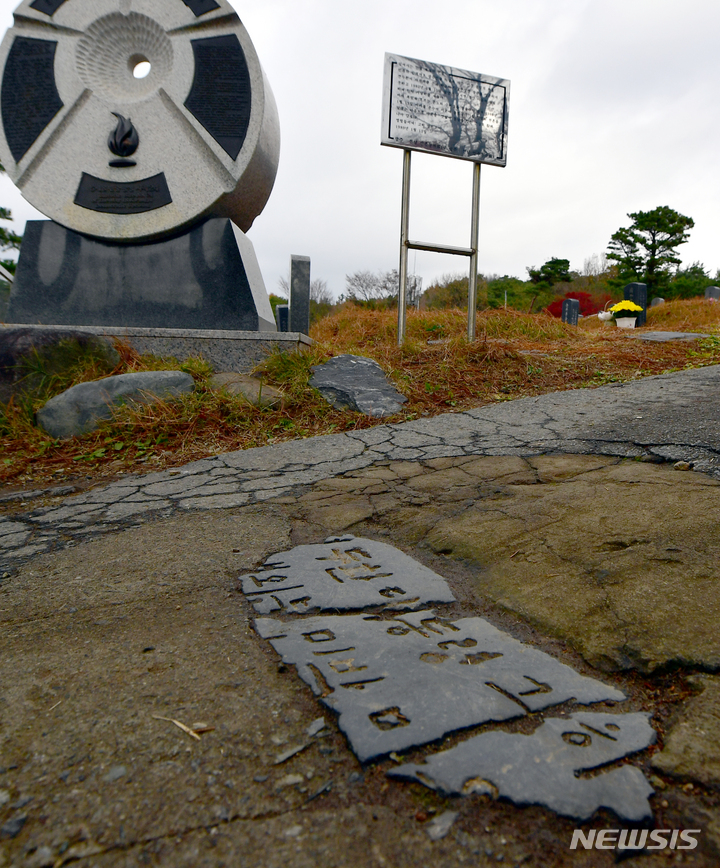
120	612
674	417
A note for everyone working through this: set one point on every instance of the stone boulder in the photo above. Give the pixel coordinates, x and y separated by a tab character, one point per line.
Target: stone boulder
359	384
251	388
28	354
81	408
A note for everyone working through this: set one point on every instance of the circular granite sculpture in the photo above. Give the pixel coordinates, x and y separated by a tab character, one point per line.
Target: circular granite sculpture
128	120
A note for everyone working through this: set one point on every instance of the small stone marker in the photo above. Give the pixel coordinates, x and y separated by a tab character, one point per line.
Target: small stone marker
300	294
343	573
570	311
712	293
282	317
637	293
356	383
407	681
543	768
656	301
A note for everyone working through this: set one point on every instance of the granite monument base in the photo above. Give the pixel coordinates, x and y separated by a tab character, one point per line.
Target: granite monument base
238	351
205	278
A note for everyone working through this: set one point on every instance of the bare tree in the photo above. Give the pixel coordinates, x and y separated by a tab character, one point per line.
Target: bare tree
369	285
319	291
595	265
365	285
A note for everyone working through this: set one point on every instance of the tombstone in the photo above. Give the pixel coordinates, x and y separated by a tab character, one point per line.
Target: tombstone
300	294
282	317
570	311
637	293
712	293
656	301
161	174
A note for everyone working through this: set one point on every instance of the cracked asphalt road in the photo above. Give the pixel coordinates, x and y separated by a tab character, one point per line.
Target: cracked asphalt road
120	606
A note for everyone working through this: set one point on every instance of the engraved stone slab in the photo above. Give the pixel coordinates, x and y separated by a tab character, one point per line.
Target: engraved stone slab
343	573
407	681
543	768
30	99
49	7
122	197
443	110
203	123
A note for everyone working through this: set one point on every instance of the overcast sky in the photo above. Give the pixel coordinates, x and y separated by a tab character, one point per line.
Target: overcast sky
614	108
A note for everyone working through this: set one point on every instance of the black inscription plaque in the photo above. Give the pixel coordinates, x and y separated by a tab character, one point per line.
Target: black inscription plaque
637	292
570	311
30	99
199	7
220	93
122	197
49	7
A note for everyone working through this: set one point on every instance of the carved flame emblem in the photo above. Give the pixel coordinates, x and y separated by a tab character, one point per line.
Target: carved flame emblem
123	140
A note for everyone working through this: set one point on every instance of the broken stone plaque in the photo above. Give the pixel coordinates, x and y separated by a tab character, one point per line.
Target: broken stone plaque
544	768
343	573
407	681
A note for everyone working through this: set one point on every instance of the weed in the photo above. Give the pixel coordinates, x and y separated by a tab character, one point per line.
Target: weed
515	355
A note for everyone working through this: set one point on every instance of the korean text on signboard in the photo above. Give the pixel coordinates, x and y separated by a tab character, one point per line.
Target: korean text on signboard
444	110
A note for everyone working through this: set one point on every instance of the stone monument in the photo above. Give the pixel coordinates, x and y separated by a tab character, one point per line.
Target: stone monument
570	311
637	293
148	134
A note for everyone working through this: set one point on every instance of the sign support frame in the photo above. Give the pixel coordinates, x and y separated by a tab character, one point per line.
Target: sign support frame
407	245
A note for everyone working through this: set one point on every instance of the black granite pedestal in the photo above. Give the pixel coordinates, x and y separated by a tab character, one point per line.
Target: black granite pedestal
205	278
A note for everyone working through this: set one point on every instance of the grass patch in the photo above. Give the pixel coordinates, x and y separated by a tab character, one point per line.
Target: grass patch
514	355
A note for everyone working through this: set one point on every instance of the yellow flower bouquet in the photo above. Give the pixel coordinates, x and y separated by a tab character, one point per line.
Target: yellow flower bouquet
625	308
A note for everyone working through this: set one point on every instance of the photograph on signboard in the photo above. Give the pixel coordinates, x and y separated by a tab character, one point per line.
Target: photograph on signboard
444	110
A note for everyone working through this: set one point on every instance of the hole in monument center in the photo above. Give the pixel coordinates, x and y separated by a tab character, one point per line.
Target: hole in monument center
140	66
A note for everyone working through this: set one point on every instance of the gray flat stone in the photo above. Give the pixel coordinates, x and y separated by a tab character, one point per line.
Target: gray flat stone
215	501
343	573
177	486
669	336
692	744
11	540
71	510
356	383
403	682
542	768
251	388
313	450
118	511
79	409
11	527
25	551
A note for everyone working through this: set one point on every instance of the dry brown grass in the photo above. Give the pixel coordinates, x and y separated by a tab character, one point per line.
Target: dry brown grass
514	355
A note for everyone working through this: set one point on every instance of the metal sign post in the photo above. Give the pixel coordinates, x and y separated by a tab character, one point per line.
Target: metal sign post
454	113
406	244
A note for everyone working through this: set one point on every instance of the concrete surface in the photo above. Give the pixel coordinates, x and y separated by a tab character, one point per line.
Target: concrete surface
121	612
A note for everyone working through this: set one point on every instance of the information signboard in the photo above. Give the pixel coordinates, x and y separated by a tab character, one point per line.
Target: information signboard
443	110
